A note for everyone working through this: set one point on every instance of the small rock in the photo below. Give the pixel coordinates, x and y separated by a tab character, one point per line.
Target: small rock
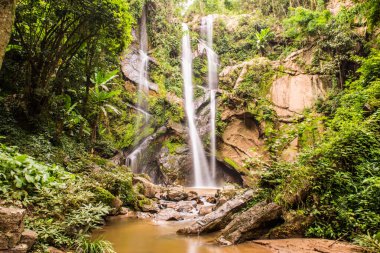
221	201
9	239
142	215
204	210
20	248
11	219
169	214
54	250
124	210
185	206
28	237
192	195
116	204
176	194
150	208
167	204
211	199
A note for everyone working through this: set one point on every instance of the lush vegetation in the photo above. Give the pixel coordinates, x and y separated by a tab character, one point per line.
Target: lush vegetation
66	206
63	108
335	179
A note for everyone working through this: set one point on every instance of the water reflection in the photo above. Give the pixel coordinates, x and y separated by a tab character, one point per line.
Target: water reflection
139	236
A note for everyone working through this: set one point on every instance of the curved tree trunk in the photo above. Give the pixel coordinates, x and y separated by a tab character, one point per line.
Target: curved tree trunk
7	13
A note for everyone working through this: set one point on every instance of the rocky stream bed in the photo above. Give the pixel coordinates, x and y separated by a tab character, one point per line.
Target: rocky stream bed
211	220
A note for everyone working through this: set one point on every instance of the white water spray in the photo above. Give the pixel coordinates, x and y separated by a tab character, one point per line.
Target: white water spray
207	27
202	177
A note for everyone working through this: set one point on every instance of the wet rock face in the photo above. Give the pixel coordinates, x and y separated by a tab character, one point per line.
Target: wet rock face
13	237
176	167
251	224
131	62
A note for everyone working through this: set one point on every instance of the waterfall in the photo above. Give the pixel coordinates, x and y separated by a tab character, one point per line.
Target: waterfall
134	159
202	177
143	85
207	27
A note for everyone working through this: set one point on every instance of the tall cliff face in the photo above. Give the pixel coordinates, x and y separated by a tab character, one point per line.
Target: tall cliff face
7	13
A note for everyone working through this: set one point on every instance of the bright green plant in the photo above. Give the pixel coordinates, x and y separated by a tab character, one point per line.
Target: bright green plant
262	39
304	23
86	218
370	243
100	97
86	245
21	175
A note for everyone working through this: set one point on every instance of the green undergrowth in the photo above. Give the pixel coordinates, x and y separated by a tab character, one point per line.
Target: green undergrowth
63	207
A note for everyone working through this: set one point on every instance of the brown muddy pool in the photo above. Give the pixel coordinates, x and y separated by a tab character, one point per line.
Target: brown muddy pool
130	235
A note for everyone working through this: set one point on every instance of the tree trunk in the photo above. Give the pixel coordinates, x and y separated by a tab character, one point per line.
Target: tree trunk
7	14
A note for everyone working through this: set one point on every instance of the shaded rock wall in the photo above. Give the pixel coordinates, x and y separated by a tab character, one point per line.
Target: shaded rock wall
241	139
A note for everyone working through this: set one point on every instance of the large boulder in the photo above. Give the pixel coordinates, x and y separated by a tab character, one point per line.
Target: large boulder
175	193
220	217
252	224
149	189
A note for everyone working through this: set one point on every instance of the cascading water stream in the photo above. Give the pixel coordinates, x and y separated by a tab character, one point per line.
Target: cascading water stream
143	85
207	27
134	159
202	176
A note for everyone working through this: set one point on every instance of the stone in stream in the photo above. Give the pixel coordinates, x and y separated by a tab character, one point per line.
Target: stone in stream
204	210
252	224
169	214
150	208
211	199
186	206
220	217
192	195
175	194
